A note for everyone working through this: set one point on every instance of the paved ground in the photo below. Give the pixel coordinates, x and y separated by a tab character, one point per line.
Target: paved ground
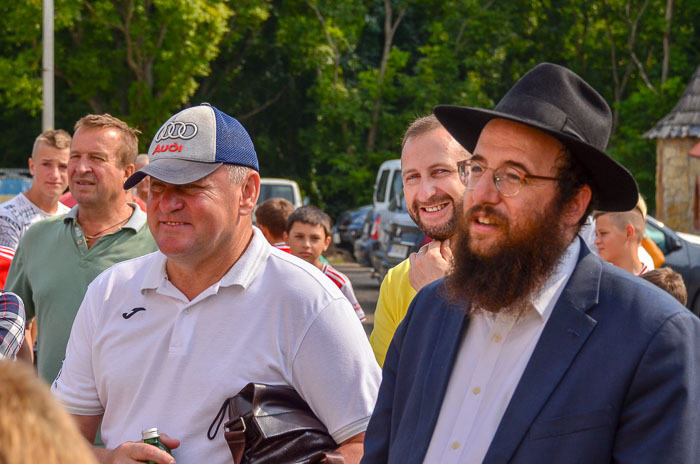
366	289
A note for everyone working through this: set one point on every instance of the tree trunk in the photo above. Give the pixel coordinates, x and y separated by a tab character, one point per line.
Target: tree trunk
390	27
667	40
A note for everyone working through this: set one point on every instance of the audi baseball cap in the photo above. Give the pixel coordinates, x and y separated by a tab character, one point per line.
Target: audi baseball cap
193	144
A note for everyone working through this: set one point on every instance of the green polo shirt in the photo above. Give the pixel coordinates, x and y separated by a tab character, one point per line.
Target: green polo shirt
51	271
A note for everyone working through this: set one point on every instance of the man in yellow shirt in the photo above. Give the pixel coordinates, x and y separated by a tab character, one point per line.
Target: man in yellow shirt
433	193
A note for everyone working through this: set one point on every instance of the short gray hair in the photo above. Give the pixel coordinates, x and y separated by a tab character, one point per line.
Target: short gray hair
236	173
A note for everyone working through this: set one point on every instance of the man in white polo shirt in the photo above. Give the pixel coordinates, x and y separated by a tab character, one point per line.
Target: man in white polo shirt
162	340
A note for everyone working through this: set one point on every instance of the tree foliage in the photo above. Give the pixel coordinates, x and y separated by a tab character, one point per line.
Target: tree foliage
327	88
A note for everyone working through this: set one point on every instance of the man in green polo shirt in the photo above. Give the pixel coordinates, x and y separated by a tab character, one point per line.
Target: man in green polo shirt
58	258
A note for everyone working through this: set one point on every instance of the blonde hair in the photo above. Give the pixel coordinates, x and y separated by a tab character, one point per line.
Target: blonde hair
128	148
642	207
58	138
33	425
623	219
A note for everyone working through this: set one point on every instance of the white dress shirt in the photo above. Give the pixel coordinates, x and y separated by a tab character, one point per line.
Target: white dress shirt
490	361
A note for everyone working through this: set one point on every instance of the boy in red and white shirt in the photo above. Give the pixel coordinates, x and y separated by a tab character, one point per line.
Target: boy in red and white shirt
308	236
271	218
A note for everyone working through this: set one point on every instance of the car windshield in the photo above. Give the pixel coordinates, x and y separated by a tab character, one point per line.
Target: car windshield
657	236
272	191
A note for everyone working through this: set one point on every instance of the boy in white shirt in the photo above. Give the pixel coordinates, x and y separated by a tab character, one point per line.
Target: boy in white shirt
618	238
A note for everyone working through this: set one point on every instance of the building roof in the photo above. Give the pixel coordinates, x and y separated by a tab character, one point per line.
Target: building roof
684	119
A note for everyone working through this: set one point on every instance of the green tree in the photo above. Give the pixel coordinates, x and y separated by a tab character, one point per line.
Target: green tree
327	88
137	59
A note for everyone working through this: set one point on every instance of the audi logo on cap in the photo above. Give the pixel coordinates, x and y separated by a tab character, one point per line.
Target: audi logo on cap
176	130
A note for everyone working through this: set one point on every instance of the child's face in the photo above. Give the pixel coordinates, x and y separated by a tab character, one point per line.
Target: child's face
307	241
610	239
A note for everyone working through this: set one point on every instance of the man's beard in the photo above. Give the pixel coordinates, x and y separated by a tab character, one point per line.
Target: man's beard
441	232
502	280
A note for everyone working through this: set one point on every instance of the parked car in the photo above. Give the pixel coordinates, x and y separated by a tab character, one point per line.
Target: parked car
349	227
682	253
284	188
388	184
399	236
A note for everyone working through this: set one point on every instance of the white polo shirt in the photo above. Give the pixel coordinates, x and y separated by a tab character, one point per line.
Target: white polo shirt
145	356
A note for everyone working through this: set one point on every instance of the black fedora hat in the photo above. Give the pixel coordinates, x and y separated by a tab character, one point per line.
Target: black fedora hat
558	102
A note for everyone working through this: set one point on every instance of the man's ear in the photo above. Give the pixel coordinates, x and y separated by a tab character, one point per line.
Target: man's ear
328	243
250	190
285	236
31	166
629	232
576	208
129	170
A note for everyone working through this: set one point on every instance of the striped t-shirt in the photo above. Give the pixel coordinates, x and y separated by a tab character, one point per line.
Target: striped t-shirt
343	283
282	246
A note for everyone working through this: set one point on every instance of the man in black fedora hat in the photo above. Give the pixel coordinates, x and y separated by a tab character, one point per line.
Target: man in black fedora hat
533	349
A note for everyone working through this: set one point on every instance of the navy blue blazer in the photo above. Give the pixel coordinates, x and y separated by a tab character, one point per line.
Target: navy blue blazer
614	377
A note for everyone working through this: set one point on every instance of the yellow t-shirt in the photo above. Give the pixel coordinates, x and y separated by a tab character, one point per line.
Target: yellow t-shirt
395	295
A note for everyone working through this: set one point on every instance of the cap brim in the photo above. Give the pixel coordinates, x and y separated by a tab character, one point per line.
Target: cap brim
173	171
614	186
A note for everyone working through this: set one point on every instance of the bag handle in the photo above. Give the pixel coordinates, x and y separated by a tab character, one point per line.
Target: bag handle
220	418
234	432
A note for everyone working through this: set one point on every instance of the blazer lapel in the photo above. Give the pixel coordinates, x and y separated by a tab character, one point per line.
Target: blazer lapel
566	332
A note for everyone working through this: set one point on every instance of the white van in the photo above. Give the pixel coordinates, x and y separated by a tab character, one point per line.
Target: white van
285	188
388	184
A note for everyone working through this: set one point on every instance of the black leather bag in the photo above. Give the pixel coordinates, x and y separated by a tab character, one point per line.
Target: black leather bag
273	424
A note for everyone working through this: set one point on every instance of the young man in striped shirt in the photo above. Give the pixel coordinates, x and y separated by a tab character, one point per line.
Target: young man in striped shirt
49	168
308	235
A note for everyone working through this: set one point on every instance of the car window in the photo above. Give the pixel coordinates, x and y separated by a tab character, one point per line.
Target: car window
359	219
657	236
380	194
396	185
272	191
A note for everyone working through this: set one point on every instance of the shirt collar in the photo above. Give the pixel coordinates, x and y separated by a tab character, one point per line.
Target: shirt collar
136	221
242	273
547	297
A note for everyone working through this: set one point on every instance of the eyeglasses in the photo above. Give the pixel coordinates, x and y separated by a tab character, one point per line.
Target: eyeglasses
508	179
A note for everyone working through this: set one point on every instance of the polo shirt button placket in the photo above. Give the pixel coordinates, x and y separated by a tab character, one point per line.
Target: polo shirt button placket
78	235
